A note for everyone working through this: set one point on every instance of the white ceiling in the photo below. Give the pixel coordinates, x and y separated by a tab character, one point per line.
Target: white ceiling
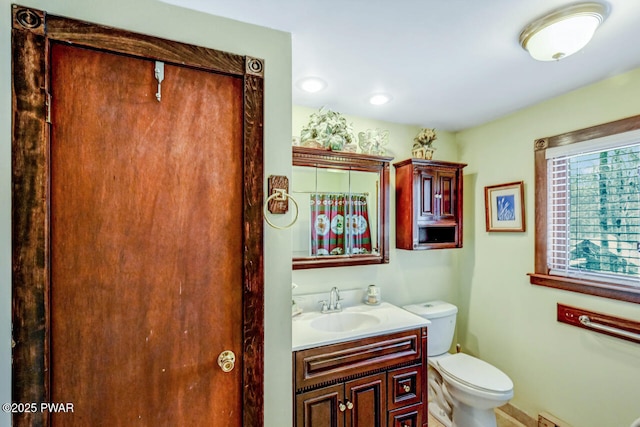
449	64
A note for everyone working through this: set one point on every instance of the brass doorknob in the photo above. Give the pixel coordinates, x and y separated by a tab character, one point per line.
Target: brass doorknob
227	360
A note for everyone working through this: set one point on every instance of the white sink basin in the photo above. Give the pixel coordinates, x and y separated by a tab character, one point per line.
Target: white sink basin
313	329
344	322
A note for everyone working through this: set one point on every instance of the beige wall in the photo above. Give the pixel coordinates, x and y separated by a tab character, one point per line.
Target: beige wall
410	276
584	378
159	19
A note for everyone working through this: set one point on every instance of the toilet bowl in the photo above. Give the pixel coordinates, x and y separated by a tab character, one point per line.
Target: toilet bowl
476	388
463	390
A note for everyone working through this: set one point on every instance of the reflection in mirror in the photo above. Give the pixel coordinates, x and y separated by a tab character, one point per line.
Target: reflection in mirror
340	217
343	199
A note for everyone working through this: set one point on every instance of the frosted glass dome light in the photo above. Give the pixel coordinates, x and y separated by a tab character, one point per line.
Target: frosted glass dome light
563	32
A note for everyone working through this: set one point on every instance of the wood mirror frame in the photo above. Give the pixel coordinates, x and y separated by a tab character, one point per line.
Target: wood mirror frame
318	158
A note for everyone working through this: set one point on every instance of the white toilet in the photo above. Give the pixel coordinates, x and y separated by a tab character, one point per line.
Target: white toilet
463	390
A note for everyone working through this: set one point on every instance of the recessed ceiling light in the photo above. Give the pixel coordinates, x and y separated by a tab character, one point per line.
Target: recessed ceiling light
312	84
379	99
563	32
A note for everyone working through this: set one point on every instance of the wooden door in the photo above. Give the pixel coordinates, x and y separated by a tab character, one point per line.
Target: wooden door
146	248
148	208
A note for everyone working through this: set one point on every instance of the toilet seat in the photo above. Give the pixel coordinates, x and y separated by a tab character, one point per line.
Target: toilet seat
475	374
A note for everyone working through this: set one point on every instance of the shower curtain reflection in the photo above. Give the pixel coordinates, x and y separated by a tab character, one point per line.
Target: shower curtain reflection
339	224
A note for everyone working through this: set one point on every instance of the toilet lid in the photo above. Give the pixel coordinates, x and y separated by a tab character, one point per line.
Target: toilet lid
475	373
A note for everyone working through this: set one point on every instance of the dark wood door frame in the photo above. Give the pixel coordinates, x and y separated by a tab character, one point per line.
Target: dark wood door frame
32	32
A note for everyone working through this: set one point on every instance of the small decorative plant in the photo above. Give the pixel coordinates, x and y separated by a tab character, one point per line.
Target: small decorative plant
328	129
422	148
425	138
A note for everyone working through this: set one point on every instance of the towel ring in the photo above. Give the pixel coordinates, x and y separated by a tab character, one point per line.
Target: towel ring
280	195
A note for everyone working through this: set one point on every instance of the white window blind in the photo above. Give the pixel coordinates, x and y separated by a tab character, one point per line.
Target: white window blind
593	210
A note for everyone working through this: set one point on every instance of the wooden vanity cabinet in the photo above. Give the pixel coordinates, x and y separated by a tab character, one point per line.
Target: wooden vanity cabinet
428	204
360	402
373	382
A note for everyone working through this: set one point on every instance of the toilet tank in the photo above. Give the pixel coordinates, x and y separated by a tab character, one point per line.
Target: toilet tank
443	324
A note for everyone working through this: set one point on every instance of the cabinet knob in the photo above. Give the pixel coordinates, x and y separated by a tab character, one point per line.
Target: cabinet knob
342	407
406	388
349	405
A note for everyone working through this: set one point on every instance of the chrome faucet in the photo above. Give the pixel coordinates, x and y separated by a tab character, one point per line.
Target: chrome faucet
334	305
334	300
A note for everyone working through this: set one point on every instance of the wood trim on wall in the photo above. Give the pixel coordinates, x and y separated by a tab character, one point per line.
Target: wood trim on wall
32	33
541	274
618	327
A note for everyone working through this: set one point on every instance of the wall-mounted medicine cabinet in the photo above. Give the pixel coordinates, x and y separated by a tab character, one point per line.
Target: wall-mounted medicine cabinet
343	201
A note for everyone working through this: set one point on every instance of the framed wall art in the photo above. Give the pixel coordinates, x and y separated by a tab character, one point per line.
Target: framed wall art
504	207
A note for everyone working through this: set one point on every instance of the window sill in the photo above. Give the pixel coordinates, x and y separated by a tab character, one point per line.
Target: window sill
601	289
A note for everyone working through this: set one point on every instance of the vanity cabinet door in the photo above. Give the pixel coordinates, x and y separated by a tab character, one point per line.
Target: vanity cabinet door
324	407
366	401
356	403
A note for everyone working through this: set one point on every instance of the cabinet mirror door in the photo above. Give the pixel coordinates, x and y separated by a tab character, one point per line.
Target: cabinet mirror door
343	208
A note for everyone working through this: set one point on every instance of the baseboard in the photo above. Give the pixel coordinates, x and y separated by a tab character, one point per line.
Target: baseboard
518	415
547	420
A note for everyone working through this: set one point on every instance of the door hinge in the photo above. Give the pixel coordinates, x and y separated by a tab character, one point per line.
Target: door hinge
48	107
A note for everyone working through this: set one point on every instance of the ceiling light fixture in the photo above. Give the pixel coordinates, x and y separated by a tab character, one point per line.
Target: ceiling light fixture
564	31
312	84
379	99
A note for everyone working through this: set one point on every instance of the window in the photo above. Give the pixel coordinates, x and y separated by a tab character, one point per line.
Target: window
588	211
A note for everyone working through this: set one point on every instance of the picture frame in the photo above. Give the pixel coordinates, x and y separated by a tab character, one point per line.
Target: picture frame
504	207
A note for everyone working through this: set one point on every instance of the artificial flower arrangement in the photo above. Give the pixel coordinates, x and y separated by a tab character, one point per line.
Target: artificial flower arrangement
328	129
422	148
373	141
425	138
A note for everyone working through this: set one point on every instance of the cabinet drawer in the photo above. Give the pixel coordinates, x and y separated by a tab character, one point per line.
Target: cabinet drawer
411	416
404	386
328	363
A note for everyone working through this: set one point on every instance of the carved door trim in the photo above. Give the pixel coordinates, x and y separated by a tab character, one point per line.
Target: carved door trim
32	32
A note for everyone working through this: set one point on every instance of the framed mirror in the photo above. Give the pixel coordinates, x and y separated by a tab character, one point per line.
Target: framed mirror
344	208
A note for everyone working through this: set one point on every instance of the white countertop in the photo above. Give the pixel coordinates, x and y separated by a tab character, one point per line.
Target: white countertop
390	318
